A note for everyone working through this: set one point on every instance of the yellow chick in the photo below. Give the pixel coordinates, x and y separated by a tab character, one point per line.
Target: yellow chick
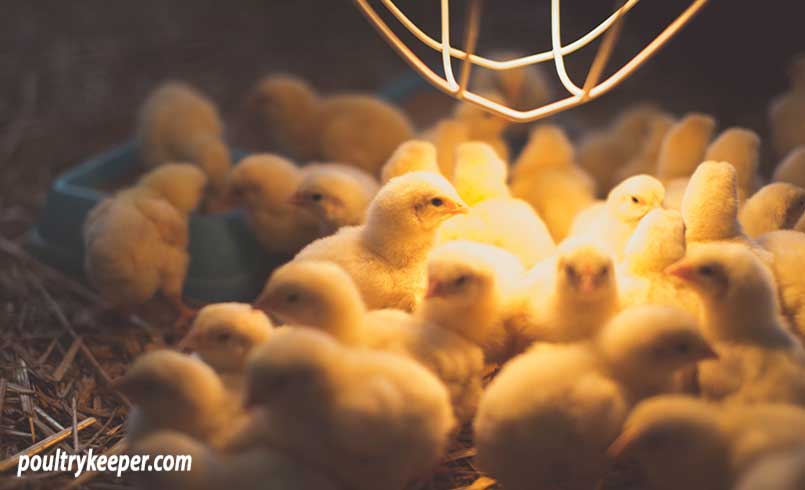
208	469
675	192
354	129
484	126
741	148
479	173
523	88
788	249
476	291
178	124
321	295
574	294
613	221
792	168
681	442
710	204
337	195
507	223
644	161
173	391
135	242
546	176
386	418
387	255
446	135
411	156
223	335
777	206
684	146
657	242
785	122
264	185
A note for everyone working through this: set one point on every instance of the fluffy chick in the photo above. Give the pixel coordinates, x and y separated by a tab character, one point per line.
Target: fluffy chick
475	290
546	176
788	249
336	194
523	88
386	418
178	124
386	257
776	206
682	442
484	126
759	359
479	173
785	122
411	156
223	335
572	295
321	295
135	242
792	168
355	129
508	223
264	184
173	391
741	148
614	220
658	242
446	135
781	471
644	161
602	153
210	470
710	204
684	146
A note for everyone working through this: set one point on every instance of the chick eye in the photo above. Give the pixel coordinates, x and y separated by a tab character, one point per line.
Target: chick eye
571	271
461	280
316	197
437	201
682	348
604	271
635	200
222	337
292	298
707	270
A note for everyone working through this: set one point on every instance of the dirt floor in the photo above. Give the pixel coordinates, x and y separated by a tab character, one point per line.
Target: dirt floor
73	73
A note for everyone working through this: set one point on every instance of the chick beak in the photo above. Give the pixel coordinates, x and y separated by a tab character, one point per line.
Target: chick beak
188	341
681	270
618	449
587	282
435	289
456	207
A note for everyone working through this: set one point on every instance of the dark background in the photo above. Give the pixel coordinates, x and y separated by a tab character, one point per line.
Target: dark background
73	73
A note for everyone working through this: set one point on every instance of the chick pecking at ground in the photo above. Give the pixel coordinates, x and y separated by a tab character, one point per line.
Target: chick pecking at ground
776	206
173	391
613	221
784	470
603	152
741	148
759	359
788	249
214	470
337	195
387	255
792	168
682	442
264	185
223	335
371	419
135	242
355	129
178	124
410	156
546	176
476	290
321	295
572	295
684	146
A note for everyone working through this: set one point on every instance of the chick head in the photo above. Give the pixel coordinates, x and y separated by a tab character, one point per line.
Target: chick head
585	271
250	181
657	242
212	155
633	198
710	204
181	184
673	438
415	201
784	201
725	273
551	145
224	334
295	362
482	123
410	156
167	381
315	294
650	340
333	196
479	172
